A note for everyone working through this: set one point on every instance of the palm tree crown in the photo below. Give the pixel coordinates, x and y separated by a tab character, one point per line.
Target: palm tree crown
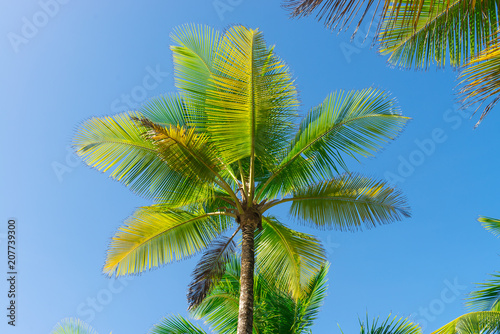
223	151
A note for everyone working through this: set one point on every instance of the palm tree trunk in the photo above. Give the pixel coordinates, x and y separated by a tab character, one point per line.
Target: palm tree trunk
245	316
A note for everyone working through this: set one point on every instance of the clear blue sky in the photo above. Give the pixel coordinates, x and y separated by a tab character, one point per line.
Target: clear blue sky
84	56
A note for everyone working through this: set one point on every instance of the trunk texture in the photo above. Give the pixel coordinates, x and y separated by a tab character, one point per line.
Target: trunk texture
248	222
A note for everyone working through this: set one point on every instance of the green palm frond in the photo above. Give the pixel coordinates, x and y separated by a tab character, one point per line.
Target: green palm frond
252	101
487	322
417	33
72	326
287	257
166	110
116	144
347	202
210	269
354	123
308	306
176	325
481	80
389	326
154	236
491	224
194	54
185	151
487	298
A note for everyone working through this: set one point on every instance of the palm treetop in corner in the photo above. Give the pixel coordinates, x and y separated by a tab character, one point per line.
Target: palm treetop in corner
416	33
228	147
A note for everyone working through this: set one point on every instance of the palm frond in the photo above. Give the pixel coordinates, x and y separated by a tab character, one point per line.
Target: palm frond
389	326
166	110
185	151
481	80
308	307
72	326
487	298
176	325
347	202
210	269
154	236
334	13
251	103
487	322
491	224
197	48
220	308
354	123
418	33
116	144
287	257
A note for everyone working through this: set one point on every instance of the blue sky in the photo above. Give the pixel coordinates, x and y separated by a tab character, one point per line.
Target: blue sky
83	58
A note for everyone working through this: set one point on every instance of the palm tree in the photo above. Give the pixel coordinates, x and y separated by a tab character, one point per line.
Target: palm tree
484	303
276	311
220	154
416	33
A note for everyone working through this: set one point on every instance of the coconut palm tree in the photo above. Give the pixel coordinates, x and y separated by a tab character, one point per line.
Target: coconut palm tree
276	311
484	302
217	156
417	33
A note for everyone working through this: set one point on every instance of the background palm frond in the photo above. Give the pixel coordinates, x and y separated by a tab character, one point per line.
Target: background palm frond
487	297
418	33
389	326
210	269
287	257
176	325
486	322
72	326
491	224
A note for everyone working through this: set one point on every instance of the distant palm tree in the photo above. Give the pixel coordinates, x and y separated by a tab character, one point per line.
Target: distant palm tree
485	302
417	33
225	150
72	326
276	311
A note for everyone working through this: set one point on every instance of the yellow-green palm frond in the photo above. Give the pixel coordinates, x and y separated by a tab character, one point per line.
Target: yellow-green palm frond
72	326
487	322
481	80
287	257
487	297
184	150
312	299
116	145
155	235
252	101
353	123
176	325
194	54
348	202
490	224
418	33
166	110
